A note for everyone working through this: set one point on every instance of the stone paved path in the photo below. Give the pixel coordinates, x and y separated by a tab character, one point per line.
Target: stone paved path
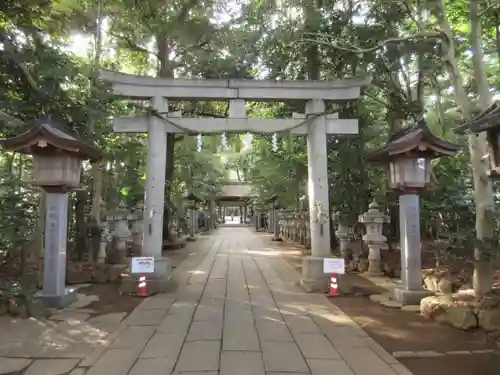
237	311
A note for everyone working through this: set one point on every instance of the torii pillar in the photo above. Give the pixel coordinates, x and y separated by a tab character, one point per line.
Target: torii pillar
152	240
313	277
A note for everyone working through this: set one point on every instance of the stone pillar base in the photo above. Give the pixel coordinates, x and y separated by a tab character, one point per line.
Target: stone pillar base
58	302
374	267
277	239
179	243
313	279
409	297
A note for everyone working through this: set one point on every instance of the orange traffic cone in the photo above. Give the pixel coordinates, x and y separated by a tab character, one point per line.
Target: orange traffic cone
334	286
142	287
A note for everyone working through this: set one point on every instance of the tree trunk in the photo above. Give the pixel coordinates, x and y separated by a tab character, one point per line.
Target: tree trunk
166	71
97	166
482	279
312	24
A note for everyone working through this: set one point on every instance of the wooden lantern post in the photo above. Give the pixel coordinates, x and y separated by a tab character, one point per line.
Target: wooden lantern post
57	153
408	154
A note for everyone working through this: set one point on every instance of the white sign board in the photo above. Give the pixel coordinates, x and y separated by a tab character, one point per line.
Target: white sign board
143	265
334	266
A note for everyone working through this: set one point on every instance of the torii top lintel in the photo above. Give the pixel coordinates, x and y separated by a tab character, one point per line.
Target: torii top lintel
134	86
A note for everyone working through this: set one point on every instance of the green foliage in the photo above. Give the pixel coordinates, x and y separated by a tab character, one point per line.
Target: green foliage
263	39
19	211
280	172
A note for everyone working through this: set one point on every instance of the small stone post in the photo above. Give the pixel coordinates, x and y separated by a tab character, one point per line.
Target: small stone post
374	221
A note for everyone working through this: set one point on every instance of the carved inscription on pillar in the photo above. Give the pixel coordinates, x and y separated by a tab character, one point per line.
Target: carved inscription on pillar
51	243
55	244
413	235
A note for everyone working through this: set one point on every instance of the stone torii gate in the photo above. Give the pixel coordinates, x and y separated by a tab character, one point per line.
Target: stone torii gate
315	124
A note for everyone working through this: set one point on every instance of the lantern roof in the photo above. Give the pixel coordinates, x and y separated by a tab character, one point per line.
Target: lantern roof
47	136
414	141
487	120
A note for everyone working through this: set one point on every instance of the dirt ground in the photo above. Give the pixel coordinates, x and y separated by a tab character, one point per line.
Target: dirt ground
111	300
398	330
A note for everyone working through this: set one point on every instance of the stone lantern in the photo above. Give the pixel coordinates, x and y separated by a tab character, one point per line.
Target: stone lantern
489	122
343	233
408	154
121	232
57	153
193	204
374	221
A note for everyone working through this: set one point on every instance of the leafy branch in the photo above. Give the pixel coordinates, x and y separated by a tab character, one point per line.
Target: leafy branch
322	39
131	45
11	52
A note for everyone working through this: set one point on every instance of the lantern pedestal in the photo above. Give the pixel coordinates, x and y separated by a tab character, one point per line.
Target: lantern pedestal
55	293
313	278
412	291
409	297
